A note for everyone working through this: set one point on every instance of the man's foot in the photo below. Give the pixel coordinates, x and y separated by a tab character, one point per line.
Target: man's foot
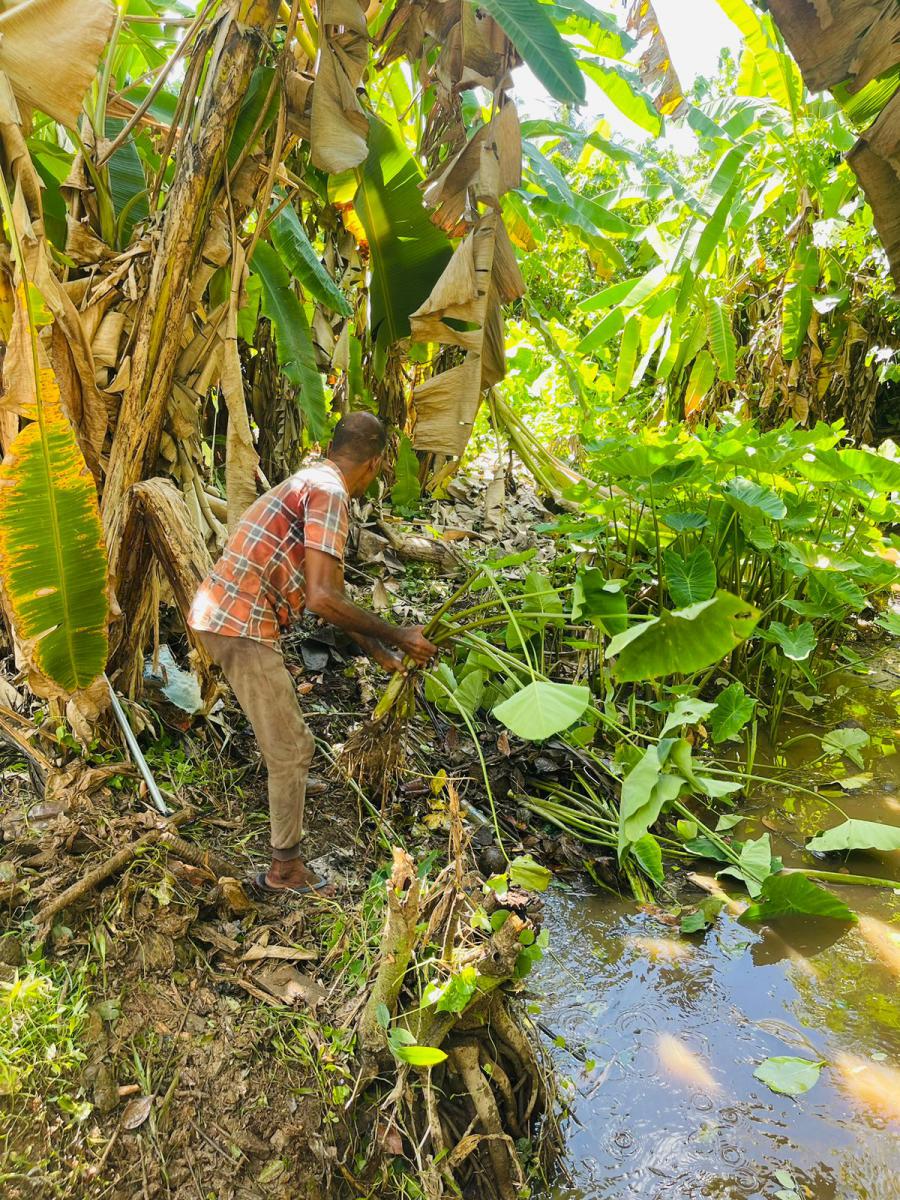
292	876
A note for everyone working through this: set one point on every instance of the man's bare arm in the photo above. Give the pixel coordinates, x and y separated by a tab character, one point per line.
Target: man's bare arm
325	596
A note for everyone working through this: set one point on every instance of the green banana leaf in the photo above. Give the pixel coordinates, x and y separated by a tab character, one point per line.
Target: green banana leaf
52	557
623	87
527	25
293	342
721	339
252	112
407	252
127	183
298	255
799	284
778	71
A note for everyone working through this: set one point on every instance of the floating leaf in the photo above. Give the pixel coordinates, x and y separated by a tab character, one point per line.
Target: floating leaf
789	1076
542	709
857	835
847	742
789	895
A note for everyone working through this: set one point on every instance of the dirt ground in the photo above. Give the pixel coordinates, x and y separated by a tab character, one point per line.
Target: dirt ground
209	1066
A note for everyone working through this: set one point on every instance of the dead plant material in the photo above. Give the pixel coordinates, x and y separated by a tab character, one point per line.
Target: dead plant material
373	753
117	862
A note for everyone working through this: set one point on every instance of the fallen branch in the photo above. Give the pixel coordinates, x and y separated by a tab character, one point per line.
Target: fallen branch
122	858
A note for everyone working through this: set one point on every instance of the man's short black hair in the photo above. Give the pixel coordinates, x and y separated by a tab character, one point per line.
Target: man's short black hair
359	436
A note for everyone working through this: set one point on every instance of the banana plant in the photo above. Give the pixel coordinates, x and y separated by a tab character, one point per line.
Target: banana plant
53	566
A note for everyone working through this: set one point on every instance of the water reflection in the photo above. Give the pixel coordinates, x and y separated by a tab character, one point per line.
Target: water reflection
644	1123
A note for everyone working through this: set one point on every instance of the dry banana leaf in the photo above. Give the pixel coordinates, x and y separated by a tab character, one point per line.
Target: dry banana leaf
70	35
337	122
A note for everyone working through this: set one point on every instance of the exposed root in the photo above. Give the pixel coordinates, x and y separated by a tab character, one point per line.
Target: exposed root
373	753
508	1176
117	862
460	1117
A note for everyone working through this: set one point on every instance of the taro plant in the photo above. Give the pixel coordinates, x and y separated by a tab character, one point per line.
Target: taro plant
789	521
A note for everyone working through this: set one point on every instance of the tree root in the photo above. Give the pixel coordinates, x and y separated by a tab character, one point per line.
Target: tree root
508	1176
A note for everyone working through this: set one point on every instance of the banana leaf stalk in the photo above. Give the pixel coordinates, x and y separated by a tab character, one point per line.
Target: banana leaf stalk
549	472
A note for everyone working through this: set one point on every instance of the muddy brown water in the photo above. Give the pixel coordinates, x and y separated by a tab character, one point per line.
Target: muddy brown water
638	1128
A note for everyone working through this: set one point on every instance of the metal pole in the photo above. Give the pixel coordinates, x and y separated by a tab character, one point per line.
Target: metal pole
137	754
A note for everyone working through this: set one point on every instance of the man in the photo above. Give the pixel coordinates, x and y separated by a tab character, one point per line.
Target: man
286	555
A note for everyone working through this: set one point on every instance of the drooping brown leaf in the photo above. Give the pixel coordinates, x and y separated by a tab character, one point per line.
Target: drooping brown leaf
658	74
241	459
338	124
469	294
489	165
70	35
446	408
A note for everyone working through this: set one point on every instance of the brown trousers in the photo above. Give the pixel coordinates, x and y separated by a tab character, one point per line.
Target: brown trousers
265	691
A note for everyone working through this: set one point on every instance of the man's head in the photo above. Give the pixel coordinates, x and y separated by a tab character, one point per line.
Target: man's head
357	447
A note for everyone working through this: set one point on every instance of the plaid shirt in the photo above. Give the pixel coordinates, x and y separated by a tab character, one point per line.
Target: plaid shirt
256	588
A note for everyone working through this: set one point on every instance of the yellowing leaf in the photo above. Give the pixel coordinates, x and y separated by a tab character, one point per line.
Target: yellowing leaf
52	556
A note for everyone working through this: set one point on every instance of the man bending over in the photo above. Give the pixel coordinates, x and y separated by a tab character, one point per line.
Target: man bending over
285	555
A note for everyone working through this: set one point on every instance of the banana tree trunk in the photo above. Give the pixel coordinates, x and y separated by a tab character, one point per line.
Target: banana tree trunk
199	178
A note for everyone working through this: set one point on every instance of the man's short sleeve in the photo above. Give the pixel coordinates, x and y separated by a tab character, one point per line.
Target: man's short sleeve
326	520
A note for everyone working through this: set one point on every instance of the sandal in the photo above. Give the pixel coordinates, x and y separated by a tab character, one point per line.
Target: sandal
261	884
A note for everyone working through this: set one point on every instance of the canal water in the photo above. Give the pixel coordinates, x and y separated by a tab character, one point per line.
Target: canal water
657	1035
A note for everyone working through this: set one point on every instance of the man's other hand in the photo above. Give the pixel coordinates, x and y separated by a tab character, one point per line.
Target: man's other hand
412	641
385	657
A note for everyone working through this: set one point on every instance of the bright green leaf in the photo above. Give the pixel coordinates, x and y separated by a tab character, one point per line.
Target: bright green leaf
542	709
684	641
528	26
690	579
857	835
298	255
789	895
733	710
788	1076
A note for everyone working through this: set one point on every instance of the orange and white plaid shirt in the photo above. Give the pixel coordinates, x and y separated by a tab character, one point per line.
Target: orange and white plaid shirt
256	589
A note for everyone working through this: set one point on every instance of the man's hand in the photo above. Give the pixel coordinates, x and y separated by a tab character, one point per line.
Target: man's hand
384	656
412	641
